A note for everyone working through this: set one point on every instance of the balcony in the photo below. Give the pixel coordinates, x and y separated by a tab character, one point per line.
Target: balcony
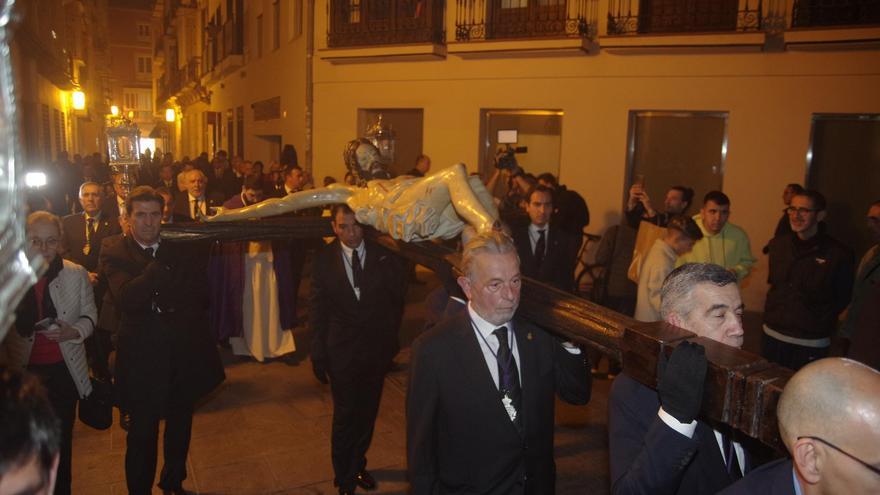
827	13
524	19
629	17
385	22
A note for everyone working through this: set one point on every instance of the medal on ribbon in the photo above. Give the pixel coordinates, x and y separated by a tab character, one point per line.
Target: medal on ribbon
508	406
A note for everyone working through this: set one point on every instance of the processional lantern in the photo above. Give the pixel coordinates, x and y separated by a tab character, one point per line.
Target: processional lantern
383	138
124	150
17	272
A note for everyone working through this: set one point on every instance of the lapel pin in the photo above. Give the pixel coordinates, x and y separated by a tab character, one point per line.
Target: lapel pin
529	336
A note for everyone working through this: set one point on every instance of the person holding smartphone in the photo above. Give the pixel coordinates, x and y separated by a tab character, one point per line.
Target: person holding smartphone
639	208
51	323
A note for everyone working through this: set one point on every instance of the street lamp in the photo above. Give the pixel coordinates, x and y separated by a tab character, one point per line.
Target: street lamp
169	115
79	100
114	110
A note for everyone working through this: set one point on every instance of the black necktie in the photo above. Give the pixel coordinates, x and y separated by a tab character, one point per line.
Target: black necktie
197	209
356	270
508	376
149	251
540	247
90	231
733	467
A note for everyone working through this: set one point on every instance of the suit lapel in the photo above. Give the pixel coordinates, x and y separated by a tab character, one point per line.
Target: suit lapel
528	371
472	361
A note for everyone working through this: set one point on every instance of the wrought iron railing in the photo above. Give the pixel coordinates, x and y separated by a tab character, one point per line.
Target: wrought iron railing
683	16
384	22
810	13
511	19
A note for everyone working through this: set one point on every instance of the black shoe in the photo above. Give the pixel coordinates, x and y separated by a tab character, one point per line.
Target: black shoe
291	359
346	491
365	480
176	491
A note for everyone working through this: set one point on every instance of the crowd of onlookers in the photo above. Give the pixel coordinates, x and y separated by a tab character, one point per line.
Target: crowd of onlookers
109	275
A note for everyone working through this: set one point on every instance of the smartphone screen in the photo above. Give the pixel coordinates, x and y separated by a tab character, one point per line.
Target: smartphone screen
44	325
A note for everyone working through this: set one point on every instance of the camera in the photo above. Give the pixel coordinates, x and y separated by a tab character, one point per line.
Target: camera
506	158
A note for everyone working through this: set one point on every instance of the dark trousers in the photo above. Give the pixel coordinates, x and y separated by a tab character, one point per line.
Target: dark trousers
63	396
791	356
142	447
355	406
98	348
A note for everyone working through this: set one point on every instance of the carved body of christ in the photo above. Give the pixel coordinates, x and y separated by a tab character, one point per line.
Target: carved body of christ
407	208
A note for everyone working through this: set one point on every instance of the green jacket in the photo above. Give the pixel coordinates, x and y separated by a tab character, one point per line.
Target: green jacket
729	248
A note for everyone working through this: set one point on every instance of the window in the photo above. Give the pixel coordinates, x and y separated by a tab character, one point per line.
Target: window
677	148
59	126
259	34
144	65
47	136
143	31
276	24
294	19
354	11
540	131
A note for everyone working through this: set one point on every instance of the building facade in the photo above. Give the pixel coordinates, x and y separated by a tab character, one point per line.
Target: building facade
742	95
58	48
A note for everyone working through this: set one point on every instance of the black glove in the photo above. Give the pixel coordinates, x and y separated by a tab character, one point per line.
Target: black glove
680	381
319	368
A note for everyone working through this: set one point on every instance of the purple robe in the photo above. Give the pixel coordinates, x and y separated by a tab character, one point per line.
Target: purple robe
226	279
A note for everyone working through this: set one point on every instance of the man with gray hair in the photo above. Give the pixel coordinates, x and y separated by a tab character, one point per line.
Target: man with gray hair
196	204
657	445
829	420
480	406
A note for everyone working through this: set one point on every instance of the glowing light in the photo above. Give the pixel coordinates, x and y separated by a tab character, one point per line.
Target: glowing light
131	114
114	110
79	100
35	179
169	115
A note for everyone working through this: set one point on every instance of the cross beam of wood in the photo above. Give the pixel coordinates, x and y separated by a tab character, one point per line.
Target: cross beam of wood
742	389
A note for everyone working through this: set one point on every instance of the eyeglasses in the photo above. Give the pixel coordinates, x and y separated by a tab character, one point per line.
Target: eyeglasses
39	243
791	210
874	469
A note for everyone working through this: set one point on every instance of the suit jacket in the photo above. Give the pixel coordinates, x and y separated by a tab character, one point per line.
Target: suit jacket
108	316
163	342
74	238
774	478
647	456
557	267
459	437
226	186
183	207
350	335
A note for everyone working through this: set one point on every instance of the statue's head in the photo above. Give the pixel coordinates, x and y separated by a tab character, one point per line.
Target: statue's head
364	161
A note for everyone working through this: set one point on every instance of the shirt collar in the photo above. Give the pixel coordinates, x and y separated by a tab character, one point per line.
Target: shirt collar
155	245
193	198
347	250
797	486
533	229
484	327
96	217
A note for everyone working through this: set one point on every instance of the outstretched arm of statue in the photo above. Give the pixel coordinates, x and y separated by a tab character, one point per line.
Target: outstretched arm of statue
292	202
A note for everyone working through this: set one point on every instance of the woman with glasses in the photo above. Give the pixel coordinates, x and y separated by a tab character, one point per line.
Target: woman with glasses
56	315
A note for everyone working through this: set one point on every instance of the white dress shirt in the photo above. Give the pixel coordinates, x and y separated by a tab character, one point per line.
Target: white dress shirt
489	342
203	205
346	261
688	429
534	234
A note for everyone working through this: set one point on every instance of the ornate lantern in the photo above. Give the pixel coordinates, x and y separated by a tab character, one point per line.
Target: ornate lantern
16	271
124	150
382	137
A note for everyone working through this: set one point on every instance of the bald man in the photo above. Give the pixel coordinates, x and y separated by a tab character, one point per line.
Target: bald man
829	420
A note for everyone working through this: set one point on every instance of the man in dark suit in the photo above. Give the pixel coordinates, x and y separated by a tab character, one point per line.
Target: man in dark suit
546	252
355	313
83	232
480	406
656	443
829	420
166	359
196	204
82	237
570	213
